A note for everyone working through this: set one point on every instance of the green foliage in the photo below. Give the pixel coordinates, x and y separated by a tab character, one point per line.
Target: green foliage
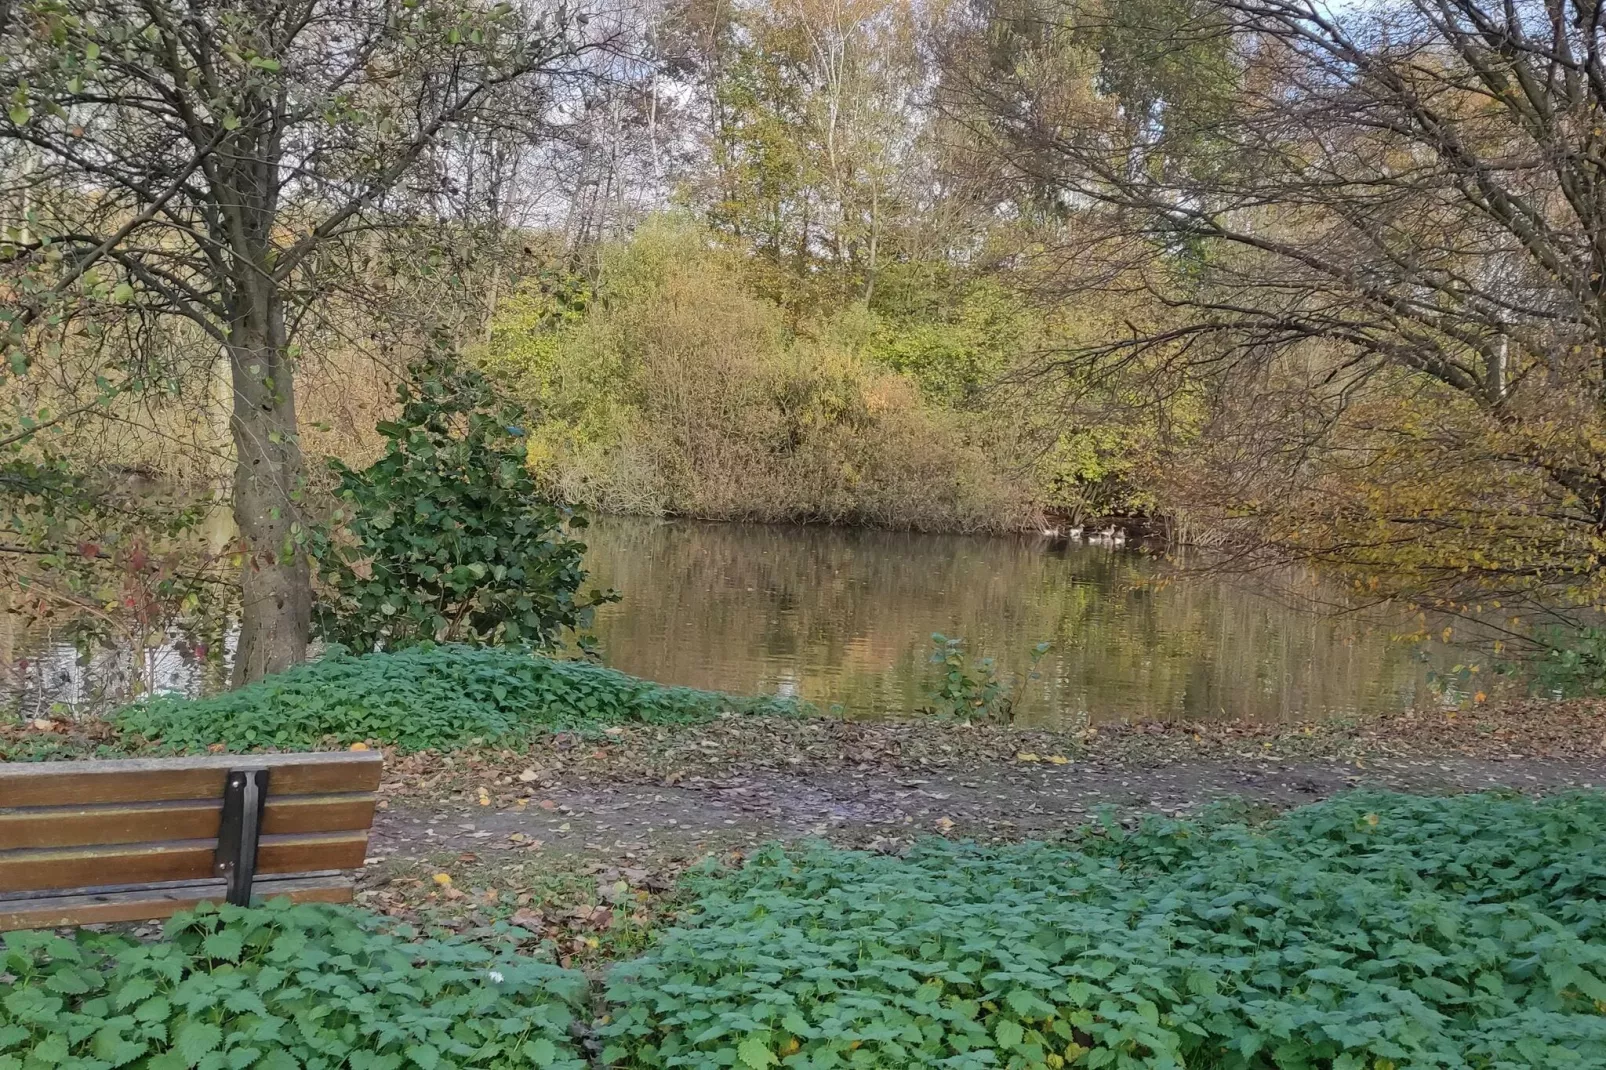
449	540
1371	931
425	696
954	337
279	988
680	390
971	687
1573	663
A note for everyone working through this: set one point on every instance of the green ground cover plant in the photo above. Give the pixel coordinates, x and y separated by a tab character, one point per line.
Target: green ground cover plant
1373	932
280	988
424	697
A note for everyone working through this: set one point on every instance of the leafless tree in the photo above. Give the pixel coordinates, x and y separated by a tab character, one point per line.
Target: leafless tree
1410	192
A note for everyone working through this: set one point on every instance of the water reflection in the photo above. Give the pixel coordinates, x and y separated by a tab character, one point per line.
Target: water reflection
844	617
43	672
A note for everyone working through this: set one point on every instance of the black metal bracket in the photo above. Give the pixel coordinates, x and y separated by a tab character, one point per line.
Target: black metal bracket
245	791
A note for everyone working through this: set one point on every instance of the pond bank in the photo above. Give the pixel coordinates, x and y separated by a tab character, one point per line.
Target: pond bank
583	839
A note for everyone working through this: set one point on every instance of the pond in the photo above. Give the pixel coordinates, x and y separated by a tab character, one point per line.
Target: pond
844	617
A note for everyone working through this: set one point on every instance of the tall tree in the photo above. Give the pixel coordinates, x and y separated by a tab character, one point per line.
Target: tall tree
217	160
1393	240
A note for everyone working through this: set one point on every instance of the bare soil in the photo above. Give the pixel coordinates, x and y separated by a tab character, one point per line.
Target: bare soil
580	838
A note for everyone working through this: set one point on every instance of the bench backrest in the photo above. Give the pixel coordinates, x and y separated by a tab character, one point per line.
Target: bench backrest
132	839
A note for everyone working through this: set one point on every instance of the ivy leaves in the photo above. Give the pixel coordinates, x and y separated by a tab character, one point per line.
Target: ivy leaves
446	537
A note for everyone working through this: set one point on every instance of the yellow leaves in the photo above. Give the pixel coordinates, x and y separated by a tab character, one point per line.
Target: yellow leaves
1480	697
359	745
791	1046
485	797
1051	759
1371	819
1057	759
443	879
1027	756
945	825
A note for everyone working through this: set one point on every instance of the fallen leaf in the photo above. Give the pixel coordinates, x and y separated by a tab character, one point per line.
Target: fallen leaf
529	776
443	879
946	824
359	745
1027	756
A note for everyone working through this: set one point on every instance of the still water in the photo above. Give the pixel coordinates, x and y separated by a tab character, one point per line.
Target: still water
844	618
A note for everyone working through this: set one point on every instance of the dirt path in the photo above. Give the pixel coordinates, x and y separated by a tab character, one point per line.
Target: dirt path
580	840
881	805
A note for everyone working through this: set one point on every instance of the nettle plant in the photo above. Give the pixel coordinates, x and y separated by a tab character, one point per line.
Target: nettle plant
426	697
1371	932
446	537
971	686
280	988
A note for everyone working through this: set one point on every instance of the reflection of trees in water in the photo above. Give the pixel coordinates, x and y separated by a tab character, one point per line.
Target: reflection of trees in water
849	613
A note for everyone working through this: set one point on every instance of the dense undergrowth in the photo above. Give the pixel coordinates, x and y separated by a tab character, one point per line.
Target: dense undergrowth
423	697
280	988
1375	931
1372	932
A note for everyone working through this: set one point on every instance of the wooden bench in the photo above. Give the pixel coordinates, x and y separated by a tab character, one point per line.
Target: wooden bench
135	839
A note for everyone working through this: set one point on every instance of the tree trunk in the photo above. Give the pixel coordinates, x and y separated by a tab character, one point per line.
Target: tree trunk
275	580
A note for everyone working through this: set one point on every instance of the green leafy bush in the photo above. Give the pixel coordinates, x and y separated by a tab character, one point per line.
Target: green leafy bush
424	697
972	687
280	988
1570	663
1370	932
446	536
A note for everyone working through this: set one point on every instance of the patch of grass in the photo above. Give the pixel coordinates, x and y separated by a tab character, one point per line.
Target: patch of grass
281	988
437	697
1372	931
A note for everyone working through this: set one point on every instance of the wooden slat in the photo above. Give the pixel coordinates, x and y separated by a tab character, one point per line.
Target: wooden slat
92	826
307	853
167	779
51	911
318	813
27	870
86	867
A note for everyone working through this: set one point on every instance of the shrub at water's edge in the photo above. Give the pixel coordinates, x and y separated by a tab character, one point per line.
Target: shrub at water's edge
425	697
1372	931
